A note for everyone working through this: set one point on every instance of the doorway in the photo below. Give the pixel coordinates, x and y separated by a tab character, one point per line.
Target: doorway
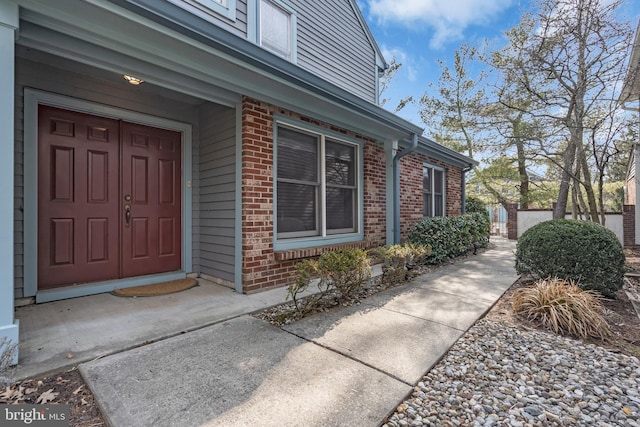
109	199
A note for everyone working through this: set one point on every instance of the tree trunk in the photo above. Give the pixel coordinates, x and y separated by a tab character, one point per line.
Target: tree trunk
565	181
588	188
524	176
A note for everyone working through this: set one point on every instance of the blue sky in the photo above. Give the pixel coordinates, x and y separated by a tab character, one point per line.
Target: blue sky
418	32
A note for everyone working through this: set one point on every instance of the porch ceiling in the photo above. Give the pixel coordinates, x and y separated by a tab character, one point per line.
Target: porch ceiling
110	77
110	37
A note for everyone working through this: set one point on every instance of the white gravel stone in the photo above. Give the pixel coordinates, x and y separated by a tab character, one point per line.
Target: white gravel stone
499	375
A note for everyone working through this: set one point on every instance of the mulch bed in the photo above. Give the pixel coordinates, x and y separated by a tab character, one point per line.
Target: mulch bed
65	387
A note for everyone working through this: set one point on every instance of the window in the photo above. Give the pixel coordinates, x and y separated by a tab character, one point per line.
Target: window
316	185
209	9
277	28
433	191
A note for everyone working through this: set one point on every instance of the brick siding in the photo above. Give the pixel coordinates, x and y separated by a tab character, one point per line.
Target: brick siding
262	267
411	198
629	226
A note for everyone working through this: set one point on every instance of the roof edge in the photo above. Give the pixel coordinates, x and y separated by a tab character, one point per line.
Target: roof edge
369	34
247	52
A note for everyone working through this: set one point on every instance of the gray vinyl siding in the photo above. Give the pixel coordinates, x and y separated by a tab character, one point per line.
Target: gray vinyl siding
217	197
45	77
18	217
237	27
333	45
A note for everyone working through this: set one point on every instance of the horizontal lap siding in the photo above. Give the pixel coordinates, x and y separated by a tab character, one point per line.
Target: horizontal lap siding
333	45
217	199
51	79
237	27
18	224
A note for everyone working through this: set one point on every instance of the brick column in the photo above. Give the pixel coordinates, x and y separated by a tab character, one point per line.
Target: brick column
629	225
512	221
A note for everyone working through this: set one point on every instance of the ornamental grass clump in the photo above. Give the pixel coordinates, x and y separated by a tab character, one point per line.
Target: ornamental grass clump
562	306
7	353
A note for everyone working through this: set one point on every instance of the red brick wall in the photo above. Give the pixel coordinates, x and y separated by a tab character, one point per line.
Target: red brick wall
630	191
262	268
411	208
375	195
629	225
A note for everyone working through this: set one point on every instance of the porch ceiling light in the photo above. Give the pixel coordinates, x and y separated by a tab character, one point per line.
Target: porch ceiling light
133	80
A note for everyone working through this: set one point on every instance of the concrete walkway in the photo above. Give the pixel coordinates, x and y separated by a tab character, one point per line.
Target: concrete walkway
350	366
99	325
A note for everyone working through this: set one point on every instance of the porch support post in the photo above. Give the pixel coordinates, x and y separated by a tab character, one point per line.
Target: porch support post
8	26
390	149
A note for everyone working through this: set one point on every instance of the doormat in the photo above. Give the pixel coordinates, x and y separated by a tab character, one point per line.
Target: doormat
163	288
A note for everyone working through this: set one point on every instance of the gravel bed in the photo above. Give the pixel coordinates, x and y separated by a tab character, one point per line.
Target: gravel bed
497	375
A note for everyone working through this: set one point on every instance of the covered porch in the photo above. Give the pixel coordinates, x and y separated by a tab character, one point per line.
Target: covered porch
65	333
73	55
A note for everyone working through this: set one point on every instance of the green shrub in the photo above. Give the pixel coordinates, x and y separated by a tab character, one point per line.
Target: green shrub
337	275
562	306
472	205
452	236
305	272
346	271
583	251
399	260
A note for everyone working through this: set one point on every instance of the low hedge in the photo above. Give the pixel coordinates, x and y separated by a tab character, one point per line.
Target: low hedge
451	236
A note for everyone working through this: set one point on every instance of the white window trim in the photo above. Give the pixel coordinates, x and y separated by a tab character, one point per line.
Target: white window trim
294	29
204	8
444	189
324	238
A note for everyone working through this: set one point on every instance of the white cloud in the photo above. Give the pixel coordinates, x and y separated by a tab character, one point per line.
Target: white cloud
448	18
408	65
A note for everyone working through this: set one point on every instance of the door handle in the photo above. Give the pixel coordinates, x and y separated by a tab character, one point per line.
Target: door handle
127	215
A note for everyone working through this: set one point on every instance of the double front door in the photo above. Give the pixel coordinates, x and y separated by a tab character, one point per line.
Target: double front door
109	199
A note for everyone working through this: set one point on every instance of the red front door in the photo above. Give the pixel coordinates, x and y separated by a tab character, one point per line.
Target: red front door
88	169
151	188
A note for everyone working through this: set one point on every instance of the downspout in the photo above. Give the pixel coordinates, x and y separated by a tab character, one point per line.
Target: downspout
463	186
396	186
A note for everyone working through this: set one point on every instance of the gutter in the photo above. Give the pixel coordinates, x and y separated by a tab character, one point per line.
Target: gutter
396	186
237	48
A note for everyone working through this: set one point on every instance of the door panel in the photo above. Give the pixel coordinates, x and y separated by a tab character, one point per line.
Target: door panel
86	167
77	198
151	176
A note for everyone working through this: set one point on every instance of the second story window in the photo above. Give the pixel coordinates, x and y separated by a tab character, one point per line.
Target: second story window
276	30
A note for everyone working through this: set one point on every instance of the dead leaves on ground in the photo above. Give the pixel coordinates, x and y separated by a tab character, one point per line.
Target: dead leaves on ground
46	397
30	391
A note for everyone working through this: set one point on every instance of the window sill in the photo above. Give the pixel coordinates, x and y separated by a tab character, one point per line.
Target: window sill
291	254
